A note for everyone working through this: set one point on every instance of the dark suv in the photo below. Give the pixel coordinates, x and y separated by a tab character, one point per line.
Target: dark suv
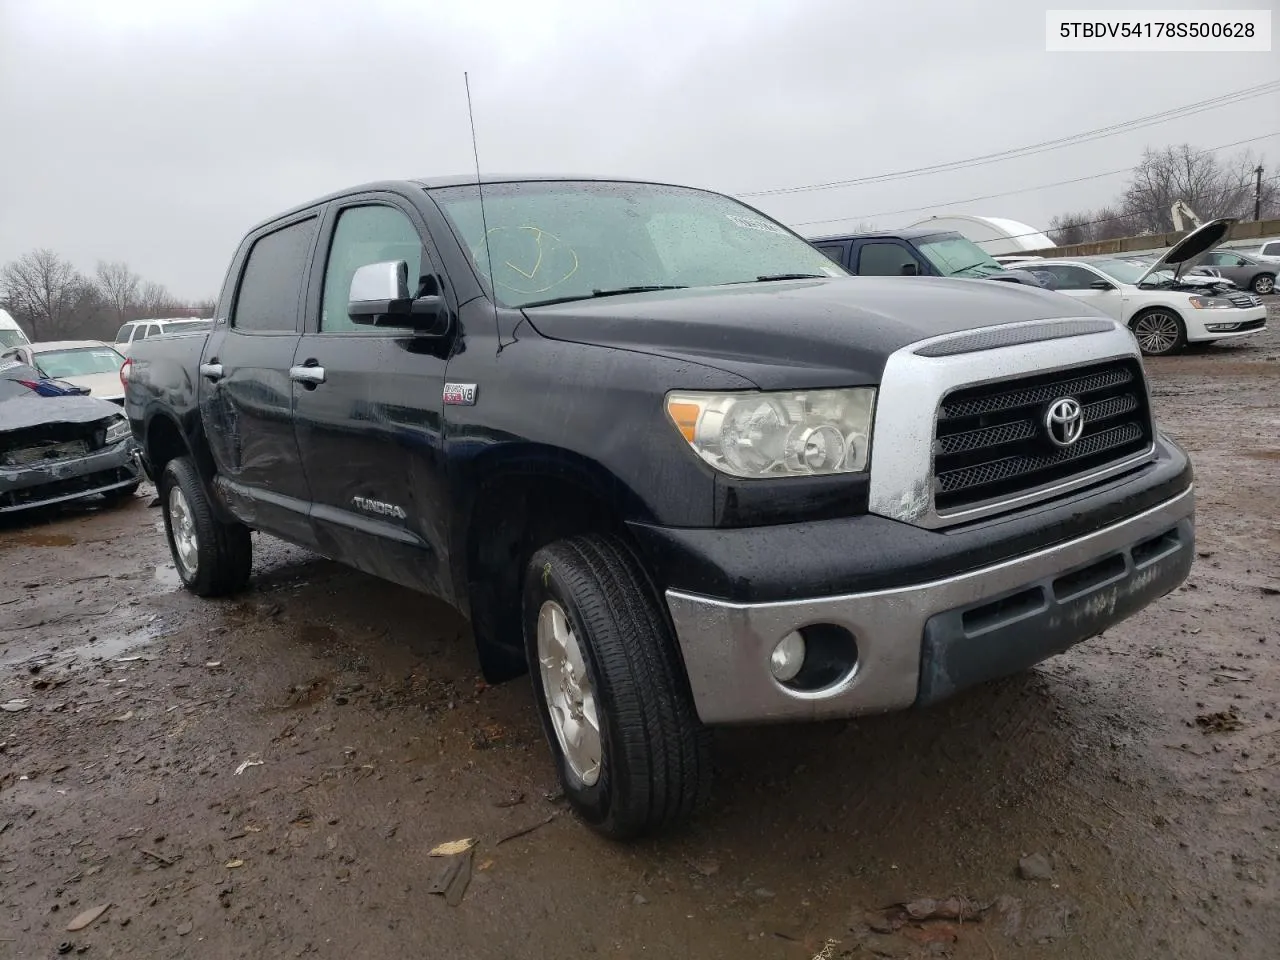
922	252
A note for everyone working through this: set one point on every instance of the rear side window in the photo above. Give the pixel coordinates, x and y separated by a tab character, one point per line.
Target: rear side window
272	280
834	251
144	331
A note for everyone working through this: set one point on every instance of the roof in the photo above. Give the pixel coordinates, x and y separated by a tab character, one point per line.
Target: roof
455	180
910	233
48	345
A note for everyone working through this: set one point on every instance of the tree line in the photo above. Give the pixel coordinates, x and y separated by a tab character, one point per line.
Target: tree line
1210	186
52	300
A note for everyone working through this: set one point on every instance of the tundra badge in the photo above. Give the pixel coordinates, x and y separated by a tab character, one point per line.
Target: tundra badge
460	394
377	506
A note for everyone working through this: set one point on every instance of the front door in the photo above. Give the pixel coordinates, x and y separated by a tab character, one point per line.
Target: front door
1077	281
368	420
246	396
885	258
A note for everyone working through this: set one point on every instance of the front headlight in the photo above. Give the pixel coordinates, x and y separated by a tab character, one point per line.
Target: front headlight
118	430
1211	303
802	433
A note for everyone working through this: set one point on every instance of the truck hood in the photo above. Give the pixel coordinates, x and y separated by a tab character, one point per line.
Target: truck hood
801	334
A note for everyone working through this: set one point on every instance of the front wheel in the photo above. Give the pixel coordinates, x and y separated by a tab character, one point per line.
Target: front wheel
610	689
1263	284
1159	332
212	558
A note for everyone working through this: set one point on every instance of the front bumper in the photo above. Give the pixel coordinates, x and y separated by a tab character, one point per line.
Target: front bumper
920	643
1247	321
41	485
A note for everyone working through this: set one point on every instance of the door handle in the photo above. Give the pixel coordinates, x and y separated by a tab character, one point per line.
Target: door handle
308	375
213	371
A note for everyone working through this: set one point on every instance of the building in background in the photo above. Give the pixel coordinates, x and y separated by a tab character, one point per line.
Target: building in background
995	235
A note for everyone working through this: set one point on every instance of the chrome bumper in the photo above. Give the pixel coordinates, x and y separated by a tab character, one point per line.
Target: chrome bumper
910	632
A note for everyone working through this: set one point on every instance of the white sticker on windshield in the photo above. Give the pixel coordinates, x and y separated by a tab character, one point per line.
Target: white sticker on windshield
755	223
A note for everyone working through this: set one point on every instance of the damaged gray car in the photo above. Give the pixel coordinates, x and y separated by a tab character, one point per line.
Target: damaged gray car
57	444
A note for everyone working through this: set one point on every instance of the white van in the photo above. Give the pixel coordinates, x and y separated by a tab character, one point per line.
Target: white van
11	334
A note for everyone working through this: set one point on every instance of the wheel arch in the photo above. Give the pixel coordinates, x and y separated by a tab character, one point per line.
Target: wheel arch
514	504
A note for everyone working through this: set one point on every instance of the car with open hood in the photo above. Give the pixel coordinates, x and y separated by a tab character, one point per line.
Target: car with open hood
666	457
1157	298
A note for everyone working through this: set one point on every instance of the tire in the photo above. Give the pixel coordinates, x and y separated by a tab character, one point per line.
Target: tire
215	557
652	764
121	494
1159	332
1263	284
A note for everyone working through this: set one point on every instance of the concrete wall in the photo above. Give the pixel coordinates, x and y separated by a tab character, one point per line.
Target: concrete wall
1244	233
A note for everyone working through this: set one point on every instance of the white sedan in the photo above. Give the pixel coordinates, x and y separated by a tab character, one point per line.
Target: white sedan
1164	310
86	363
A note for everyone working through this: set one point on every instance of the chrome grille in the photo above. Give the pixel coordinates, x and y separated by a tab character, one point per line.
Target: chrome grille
991	441
1245	300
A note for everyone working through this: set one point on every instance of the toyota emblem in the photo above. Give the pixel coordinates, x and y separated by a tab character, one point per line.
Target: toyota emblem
1064	421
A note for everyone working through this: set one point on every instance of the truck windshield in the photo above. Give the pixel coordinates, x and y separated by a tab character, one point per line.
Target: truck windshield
80	362
12	338
957	256
562	240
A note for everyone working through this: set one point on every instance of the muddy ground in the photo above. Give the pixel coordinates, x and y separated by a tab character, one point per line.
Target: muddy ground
264	776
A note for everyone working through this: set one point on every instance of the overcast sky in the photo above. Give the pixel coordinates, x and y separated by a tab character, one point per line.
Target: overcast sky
156	131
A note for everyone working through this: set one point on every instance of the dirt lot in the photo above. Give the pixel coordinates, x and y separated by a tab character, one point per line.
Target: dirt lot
263	777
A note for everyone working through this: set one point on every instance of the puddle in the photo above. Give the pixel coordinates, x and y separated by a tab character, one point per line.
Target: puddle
167	575
108	645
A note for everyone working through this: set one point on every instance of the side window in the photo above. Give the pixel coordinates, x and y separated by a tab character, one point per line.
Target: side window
272	280
833	250
1231	260
122	335
364	235
142	331
1071	278
881	259
1271	249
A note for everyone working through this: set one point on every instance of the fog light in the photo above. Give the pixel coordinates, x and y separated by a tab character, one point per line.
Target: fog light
787	657
1221	327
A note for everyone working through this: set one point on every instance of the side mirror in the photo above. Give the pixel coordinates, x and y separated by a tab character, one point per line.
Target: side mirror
910	269
1102	285
379	297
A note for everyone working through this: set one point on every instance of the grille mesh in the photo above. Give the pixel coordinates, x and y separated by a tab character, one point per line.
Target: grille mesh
991	441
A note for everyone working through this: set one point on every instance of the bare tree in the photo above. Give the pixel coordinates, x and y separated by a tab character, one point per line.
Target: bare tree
1211	187
43	289
155	300
206	307
118	286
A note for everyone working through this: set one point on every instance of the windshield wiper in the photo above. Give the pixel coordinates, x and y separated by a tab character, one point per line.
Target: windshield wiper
616	291
770	277
970	267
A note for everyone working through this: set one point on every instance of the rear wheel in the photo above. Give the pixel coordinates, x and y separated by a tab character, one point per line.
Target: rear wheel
212	558
1263	284
1159	332
610	688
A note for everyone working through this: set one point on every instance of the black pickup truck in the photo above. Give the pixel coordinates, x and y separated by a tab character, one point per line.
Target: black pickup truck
666	456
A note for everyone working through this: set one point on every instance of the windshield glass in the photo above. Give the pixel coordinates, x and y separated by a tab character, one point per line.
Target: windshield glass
11	338
575	239
79	362
1130	271
957	256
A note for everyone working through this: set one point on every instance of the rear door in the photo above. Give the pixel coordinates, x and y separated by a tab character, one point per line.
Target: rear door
368	407
246	396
